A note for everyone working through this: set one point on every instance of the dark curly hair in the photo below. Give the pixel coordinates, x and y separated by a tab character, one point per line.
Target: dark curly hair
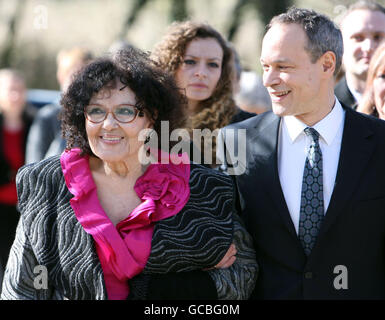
218	110
156	93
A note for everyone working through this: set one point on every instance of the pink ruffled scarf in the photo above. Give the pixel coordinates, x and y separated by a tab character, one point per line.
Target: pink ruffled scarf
124	250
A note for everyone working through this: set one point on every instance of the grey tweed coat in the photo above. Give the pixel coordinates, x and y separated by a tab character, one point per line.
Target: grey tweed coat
49	236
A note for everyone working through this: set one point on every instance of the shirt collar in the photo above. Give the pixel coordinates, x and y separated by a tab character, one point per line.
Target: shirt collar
327	127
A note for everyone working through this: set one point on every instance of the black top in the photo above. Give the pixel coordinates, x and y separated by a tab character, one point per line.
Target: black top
241	115
344	95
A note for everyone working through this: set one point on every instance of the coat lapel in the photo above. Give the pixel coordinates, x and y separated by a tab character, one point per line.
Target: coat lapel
264	142
91	283
356	149
80	276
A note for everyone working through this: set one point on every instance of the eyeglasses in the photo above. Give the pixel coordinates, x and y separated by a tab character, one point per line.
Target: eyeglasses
123	113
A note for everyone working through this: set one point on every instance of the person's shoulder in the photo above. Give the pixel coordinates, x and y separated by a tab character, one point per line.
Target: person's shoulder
241	115
48	111
364	118
341	86
363	121
37	183
342	92
38	171
200	174
254	121
211	191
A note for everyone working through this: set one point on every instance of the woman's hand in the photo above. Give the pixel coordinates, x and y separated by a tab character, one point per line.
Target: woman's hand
227	260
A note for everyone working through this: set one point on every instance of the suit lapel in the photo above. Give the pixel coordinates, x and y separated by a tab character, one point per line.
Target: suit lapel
356	149
264	142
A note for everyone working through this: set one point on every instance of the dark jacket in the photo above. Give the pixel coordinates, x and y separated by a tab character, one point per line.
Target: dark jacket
45	137
344	95
352	235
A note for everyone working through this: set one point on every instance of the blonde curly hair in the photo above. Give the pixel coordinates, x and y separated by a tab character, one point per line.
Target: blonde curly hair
218	110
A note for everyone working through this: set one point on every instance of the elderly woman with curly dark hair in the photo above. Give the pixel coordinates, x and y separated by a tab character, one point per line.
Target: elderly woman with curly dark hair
101	224
202	63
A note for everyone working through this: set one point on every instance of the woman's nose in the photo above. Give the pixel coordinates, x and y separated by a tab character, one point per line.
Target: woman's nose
110	122
201	71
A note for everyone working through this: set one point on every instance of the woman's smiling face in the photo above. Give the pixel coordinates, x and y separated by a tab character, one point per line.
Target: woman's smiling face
111	140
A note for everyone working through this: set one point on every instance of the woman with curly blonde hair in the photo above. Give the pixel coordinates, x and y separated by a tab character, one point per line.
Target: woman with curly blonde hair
373	101
202	63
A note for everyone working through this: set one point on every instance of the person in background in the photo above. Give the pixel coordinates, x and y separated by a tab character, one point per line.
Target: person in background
373	100
1	273
237	69
252	97
363	29
202	63
108	225
119	45
45	139
15	120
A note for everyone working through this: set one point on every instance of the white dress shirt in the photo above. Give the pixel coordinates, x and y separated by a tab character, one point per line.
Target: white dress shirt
293	146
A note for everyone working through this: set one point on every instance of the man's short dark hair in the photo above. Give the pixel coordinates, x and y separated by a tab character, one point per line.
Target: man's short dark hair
322	33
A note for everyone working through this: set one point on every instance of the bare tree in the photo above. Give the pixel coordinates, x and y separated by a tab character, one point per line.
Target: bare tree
132	15
237	17
266	9
9	44
178	10
269	8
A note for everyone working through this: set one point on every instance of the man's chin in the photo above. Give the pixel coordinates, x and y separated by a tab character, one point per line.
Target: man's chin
362	71
279	110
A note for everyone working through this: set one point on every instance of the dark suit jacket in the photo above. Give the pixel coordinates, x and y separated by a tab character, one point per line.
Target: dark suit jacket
353	231
344	95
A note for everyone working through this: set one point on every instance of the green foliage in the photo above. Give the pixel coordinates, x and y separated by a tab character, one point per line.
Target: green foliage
8	47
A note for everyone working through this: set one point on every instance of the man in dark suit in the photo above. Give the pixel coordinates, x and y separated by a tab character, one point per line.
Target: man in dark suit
311	185
363	29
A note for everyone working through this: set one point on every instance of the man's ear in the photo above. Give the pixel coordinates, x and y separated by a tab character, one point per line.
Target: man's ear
328	60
